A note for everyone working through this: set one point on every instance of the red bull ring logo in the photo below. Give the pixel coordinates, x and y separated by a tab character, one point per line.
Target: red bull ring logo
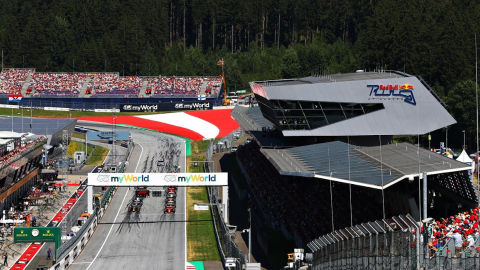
393	91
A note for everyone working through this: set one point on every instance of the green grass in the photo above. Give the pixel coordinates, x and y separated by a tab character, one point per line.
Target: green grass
74	114
77	146
191	167
201	146
201	241
99	156
201	244
78	135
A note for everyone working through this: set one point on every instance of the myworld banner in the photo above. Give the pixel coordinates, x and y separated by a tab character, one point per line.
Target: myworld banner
167	106
158	179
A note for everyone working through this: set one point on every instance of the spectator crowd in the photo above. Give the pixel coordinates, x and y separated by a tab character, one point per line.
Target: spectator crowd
57	84
461	228
104	84
14	153
12	80
303	206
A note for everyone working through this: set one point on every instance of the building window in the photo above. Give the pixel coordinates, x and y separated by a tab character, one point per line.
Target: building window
307	115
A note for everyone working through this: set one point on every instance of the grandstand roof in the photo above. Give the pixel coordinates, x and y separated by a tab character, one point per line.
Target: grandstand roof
10	134
250	118
376	167
39	126
4	141
335	78
353	104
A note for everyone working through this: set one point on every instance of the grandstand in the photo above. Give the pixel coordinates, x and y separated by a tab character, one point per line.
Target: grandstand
94	90
324	156
21	153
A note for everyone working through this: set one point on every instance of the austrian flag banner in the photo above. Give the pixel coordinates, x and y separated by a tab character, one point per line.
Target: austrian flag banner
14	97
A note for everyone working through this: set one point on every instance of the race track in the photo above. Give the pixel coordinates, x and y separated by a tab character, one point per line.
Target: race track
148	239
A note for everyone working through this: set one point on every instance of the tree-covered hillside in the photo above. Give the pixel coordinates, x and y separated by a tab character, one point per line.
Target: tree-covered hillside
257	39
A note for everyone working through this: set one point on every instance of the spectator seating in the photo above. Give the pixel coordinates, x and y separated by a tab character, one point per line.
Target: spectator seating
287	200
108	85
11	155
57	84
12	80
105	85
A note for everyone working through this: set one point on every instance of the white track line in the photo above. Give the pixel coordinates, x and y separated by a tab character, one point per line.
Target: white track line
119	209
185	204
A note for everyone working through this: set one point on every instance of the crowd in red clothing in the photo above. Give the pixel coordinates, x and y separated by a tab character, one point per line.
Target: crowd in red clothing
5	159
464	223
104	84
57	84
108	84
12	80
183	85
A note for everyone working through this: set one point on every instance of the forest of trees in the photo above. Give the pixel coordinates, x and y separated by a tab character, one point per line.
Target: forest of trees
257	39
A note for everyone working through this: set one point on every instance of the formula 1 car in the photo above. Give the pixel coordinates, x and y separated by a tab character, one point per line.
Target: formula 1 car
170	203
171	195
169	209
135	205
172	189
167	200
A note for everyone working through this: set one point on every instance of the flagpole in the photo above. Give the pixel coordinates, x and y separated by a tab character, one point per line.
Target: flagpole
476	95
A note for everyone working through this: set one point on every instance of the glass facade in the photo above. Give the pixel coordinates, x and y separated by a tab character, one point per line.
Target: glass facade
307	115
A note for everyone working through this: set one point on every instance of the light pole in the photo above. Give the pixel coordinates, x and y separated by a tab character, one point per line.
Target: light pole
463	139
249	236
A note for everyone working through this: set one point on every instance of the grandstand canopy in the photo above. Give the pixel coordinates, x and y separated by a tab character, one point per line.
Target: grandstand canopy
10	134
376	167
4	141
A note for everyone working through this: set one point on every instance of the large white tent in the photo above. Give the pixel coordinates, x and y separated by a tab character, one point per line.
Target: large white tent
467	160
464	157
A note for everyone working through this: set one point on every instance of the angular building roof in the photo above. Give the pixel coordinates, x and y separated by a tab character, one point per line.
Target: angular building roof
376	167
404	105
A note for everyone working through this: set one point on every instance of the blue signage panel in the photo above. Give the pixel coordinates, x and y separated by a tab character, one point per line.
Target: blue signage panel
108	135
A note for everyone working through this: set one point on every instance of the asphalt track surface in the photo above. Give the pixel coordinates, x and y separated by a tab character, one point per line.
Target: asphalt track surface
148	239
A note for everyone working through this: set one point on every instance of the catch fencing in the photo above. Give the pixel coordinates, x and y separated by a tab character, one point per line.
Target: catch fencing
224	234
224	144
387	244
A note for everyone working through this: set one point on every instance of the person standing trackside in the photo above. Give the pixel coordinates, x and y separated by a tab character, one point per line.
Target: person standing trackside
5	259
457	238
49	254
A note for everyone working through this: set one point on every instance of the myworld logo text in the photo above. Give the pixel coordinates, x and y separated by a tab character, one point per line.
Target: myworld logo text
197	178
125	178
158	179
194	105
140	108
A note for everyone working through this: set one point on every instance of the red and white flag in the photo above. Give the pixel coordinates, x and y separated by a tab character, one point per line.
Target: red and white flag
14	97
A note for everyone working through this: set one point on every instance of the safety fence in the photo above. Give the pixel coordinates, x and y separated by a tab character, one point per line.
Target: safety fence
69	250
64	249
224	235
225	144
387	244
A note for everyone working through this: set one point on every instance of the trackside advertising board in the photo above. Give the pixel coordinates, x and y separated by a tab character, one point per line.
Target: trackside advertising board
158	179
167	106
